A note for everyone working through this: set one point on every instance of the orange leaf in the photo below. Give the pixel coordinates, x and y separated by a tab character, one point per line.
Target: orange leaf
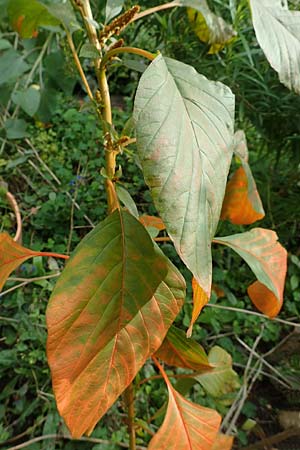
200	299
264	299
223	442
177	350
242	204
268	260
187	426
18	23
152	221
108	313
13	254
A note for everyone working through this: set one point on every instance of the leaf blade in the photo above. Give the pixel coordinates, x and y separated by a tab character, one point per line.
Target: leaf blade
177	350
12	255
187	426
242	204
33	14
185	167
222	379
265	256
278	34
115	330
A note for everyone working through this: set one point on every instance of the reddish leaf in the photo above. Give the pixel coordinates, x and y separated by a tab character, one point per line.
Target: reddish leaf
177	350
268	260
242	204
109	311
152	221
187	426
13	254
264	299
200	299
223	442
217	290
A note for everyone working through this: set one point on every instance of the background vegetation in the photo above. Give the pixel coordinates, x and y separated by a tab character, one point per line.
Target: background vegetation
51	159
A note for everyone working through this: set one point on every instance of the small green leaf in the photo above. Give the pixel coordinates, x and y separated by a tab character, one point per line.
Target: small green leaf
89	51
113	8
28	99
16	128
12	65
222	379
4	44
127	200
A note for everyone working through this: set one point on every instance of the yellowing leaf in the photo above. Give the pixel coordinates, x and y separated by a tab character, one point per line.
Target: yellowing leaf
223	442
209	27
222	379
12	255
187	426
109	312
177	350
242	204
268	260
264	299
239	200
152	221
200	299
27	15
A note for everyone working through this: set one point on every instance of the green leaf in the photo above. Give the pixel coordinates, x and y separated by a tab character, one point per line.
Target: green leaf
89	51
27	15
4	44
16	128
222	379
12	66
184	127
113	8
65	14
177	350
278	33
28	99
56	68
209	27
127	200
109	312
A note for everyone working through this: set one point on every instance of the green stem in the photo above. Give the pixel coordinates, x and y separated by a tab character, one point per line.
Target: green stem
110	156
135	50
129	401
78	65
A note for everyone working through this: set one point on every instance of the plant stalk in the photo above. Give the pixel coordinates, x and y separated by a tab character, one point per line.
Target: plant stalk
110	155
78	65
134	50
155	9
129	402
